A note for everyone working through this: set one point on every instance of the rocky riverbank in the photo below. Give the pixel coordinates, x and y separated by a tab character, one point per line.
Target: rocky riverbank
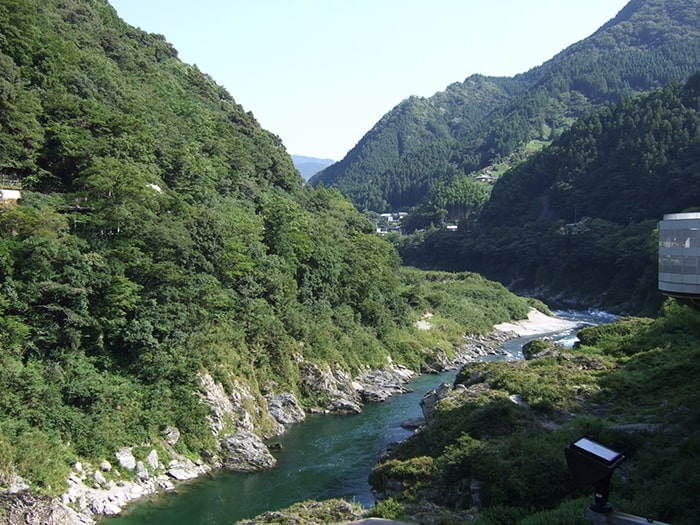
427	512
537	323
236	416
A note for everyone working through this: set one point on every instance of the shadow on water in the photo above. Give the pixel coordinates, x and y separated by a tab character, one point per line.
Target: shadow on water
328	456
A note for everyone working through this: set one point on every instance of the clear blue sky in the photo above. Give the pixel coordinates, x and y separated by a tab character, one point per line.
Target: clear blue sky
321	73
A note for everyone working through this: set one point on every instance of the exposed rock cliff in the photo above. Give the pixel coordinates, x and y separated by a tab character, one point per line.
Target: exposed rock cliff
330	388
240	417
24	507
376	386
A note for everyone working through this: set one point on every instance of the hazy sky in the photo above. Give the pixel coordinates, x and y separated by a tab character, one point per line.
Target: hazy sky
321	73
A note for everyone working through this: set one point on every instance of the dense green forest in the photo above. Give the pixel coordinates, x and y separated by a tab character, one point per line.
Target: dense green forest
486	121
633	385
162	234
585	207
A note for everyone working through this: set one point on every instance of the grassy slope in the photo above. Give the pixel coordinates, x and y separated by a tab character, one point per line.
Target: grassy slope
632	385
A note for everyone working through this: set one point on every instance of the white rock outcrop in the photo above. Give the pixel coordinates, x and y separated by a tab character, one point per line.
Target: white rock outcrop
285	408
245	452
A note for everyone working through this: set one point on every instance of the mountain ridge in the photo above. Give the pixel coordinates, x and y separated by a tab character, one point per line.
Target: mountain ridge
647	44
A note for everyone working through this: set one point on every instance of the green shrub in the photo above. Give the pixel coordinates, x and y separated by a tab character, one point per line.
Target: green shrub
615	339
414	474
501	515
568	513
389	509
43	459
6	460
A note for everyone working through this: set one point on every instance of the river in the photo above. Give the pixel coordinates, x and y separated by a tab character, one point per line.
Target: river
328	456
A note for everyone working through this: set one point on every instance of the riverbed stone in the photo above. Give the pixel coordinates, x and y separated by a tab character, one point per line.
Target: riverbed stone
99	478
182	472
126	458
478	346
376	386
152	459
285	408
141	471
344	406
431	399
414	423
245	452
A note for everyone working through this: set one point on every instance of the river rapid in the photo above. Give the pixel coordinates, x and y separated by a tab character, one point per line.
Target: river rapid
327	456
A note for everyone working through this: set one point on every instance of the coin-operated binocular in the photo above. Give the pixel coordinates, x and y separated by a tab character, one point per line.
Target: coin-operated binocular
592	463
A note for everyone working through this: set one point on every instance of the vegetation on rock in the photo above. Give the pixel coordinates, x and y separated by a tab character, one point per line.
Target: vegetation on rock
632	385
309	512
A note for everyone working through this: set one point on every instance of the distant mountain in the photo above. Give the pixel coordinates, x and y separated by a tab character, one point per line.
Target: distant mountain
310	166
483	121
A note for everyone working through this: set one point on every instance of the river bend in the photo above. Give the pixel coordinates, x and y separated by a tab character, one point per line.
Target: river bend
328	456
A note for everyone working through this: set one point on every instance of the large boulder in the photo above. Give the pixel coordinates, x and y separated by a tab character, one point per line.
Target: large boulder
126	458
376	386
331	388
431	399
245	452
182	470
285	408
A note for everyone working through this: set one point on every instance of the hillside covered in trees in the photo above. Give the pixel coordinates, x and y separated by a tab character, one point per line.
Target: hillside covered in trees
486	122
164	244
162	238
578	220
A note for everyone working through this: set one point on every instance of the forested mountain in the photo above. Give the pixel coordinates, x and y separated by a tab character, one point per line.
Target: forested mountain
163	242
486	121
578	220
418	133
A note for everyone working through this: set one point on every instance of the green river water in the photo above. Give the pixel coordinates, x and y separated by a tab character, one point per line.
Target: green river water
328	456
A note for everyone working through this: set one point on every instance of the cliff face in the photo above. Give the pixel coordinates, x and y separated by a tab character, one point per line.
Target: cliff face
26	508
